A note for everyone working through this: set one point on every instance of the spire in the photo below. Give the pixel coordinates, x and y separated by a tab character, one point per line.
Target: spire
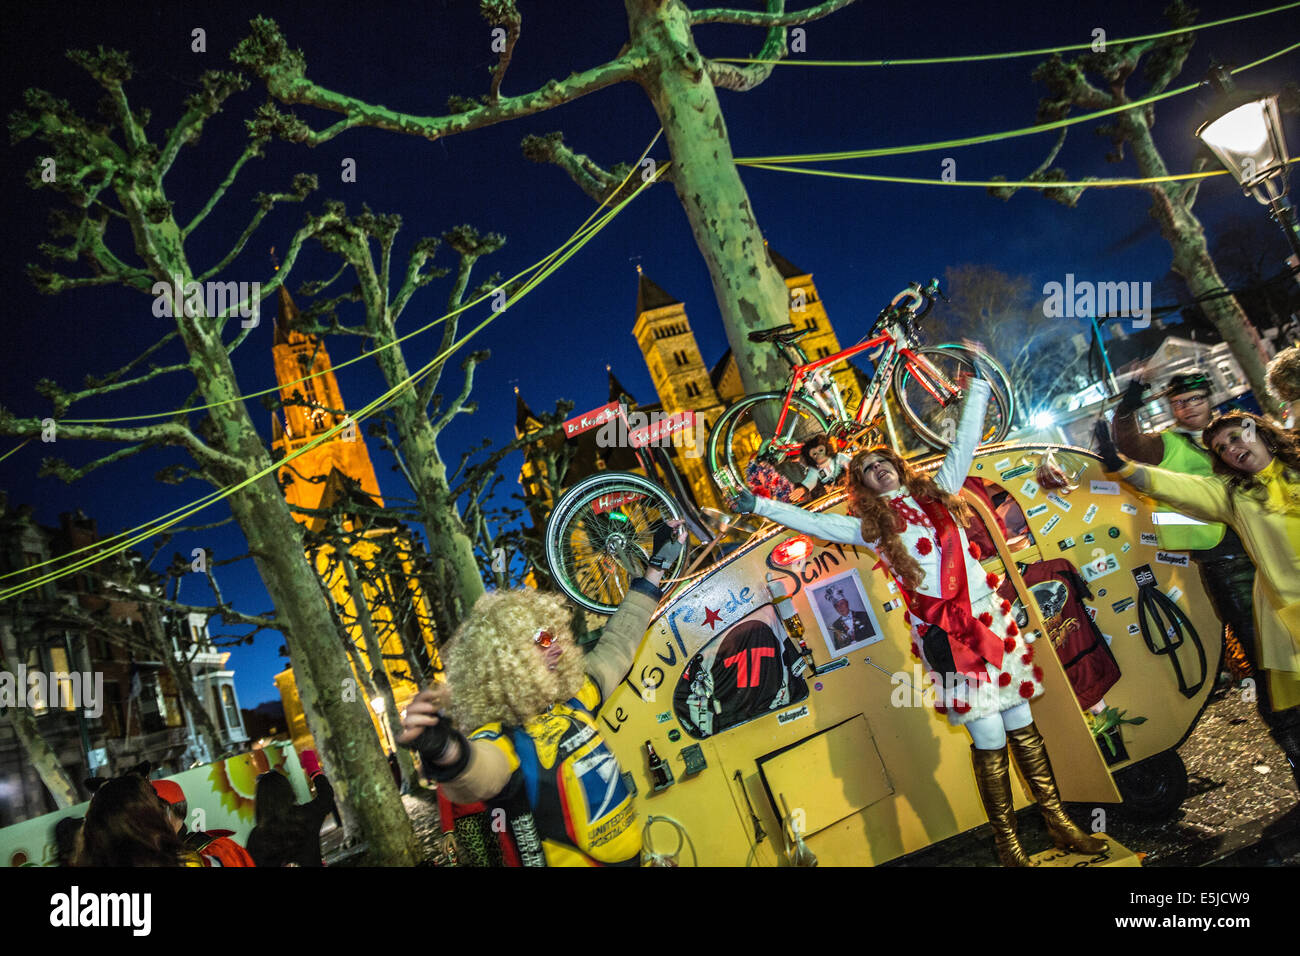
650	296
285	318
616	389
523	414
783	265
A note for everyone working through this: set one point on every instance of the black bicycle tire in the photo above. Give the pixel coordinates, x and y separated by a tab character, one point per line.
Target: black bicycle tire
722	431
1001	396
570	506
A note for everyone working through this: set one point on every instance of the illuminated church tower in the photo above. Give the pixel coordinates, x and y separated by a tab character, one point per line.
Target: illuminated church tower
391	631
680	376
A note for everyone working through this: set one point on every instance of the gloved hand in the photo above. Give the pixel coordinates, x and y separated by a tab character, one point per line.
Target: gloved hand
310	763
1132	399
1110	457
669	544
744	502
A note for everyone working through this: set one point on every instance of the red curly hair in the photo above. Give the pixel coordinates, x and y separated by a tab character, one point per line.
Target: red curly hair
881	524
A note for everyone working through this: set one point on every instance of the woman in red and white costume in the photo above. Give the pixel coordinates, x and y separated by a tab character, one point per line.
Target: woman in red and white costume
962	630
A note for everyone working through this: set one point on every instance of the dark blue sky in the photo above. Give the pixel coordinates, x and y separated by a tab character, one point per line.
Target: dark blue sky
862	241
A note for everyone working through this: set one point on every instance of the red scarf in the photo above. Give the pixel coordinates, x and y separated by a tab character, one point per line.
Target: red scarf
972	642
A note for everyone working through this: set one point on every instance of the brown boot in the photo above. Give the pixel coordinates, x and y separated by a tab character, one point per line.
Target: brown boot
993	778
1031	755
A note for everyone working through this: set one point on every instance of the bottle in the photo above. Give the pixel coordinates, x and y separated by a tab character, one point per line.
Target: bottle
790	618
661	775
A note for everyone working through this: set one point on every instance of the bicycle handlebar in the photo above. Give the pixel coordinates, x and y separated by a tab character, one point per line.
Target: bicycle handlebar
918	296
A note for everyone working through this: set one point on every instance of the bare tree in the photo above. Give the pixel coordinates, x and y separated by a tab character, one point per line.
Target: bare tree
109	170
661	56
1097	81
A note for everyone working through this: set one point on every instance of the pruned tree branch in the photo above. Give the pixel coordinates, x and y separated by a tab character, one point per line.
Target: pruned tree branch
733	76
266	53
752	18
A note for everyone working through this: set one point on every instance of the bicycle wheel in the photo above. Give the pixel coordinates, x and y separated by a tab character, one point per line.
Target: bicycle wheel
743	440
933	423
601	535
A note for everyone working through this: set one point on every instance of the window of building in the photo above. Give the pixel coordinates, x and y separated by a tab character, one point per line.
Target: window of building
823	351
35	698
232	708
692	390
61	695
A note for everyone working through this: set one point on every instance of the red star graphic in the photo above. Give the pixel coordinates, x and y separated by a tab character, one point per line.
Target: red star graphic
711	617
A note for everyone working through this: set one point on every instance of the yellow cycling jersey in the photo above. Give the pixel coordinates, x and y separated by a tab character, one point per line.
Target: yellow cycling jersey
566	802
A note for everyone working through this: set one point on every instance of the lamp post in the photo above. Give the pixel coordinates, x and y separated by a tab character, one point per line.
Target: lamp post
1245	132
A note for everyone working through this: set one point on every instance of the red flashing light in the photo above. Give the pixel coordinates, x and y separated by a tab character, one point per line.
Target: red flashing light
792	550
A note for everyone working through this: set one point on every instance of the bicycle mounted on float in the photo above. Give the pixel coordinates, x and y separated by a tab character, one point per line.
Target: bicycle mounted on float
771	427
600	534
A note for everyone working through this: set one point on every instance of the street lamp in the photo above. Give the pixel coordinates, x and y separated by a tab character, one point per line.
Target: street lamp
1245	132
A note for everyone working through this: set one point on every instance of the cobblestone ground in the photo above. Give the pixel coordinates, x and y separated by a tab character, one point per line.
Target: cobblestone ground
1241	808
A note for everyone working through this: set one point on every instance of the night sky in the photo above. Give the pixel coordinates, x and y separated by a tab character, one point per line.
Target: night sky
862	241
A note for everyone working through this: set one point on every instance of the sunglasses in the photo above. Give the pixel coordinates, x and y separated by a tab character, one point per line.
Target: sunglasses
1189	402
543	638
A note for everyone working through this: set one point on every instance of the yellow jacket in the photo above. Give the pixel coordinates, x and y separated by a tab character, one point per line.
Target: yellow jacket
1268	523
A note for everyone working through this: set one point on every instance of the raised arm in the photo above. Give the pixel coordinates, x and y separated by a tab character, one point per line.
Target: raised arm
828	527
1205	498
956	464
1132	441
608	662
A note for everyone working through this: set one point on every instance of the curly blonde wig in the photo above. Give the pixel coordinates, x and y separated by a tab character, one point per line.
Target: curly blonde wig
495	669
880	523
1284	374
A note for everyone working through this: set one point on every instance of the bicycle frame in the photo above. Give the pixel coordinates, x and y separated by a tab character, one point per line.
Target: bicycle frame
929	377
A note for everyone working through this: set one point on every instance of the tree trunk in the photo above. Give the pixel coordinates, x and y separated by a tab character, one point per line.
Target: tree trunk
383	686
1183	231
39	753
751	293
342	728
450	547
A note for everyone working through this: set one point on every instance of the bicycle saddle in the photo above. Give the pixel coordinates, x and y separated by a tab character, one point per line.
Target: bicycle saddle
781	333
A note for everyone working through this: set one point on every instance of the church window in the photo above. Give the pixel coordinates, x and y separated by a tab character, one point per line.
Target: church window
692	390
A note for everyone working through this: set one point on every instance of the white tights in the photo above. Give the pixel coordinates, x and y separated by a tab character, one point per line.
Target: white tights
990	733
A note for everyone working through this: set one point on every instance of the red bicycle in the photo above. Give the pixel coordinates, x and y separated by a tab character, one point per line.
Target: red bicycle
771	427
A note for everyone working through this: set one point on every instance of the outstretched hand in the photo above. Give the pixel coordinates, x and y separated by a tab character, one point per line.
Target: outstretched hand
1111	459
669	544
743	502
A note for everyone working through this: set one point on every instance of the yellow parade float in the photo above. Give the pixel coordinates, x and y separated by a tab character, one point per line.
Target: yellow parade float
831	752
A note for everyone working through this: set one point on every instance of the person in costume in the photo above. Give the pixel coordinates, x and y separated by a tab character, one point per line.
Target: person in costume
849	626
1226	571
824	467
536	756
215	847
1255	489
963	630
128	825
1284	380
288	833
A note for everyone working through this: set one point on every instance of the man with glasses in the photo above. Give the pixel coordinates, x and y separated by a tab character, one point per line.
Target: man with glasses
1226	571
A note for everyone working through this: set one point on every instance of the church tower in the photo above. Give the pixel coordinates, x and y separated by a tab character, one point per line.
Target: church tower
807	311
318	407
680	376
390	627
